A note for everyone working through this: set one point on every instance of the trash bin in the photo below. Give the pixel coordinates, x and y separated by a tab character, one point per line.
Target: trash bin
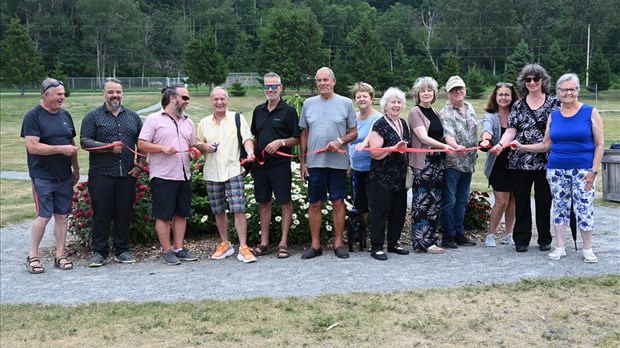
611	174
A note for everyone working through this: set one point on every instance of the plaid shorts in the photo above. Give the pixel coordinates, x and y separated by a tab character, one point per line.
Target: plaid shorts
231	190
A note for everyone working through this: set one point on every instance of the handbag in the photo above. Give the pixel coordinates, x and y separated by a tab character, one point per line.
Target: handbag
409	178
247	166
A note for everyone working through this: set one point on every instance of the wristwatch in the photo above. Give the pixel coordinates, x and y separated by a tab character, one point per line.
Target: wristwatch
595	172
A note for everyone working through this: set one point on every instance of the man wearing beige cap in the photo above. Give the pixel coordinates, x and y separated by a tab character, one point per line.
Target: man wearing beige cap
460	131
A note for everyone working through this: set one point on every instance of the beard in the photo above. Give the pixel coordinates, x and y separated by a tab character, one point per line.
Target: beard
113	107
178	108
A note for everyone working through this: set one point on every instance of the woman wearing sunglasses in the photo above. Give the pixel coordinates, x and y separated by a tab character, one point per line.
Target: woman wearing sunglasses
494	125
526	124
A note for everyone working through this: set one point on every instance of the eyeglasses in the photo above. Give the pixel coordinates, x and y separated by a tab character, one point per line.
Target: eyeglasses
53	84
503	84
568	90
503	95
184	97
274	87
529	79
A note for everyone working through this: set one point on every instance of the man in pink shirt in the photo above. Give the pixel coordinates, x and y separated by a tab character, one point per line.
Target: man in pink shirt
169	137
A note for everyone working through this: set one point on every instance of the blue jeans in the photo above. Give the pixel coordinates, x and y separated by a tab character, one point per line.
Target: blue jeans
454	198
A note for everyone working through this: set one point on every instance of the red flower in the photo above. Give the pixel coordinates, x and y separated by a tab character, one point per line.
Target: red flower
88	213
78	214
147	218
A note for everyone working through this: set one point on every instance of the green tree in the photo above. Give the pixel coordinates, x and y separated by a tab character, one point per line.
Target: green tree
554	61
367	58
59	74
474	83
202	62
517	60
290	44
402	73
21	62
600	72
450	67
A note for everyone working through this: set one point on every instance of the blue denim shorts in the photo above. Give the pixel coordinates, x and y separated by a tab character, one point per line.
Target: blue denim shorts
52	196
324	180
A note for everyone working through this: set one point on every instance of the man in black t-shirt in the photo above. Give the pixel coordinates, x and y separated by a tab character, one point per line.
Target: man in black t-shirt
49	131
275	127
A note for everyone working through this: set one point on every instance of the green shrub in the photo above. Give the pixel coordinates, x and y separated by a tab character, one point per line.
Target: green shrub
237	90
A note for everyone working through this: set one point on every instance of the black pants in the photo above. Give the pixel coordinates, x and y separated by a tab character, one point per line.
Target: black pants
112	199
522	183
387	207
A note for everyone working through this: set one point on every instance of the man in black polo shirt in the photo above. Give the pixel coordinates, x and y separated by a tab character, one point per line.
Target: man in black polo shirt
275	127
112	172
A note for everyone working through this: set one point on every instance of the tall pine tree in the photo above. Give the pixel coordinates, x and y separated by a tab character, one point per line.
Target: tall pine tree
202	61
21	62
517	60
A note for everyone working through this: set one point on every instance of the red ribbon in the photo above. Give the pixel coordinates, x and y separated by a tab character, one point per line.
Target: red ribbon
113	145
409	149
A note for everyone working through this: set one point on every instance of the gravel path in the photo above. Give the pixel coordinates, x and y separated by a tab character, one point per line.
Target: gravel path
271	277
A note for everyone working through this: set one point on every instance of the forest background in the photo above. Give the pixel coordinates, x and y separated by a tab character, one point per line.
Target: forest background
385	43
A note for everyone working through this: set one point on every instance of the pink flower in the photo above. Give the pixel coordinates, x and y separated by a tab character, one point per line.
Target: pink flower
88	213
147	218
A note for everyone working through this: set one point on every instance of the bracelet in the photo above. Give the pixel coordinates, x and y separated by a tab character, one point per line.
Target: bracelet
500	144
340	141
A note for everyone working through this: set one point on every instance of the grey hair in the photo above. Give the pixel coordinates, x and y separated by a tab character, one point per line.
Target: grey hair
215	89
536	70
272	74
567	77
47	84
389	94
329	71
425	82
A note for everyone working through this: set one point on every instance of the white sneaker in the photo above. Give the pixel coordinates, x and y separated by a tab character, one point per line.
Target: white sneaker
588	256
557	253
223	251
490	241
508	240
245	254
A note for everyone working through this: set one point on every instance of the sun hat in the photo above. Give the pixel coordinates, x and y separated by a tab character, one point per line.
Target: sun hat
454	81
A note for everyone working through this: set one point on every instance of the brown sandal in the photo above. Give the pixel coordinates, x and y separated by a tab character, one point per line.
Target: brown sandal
283	252
260	250
33	269
65	266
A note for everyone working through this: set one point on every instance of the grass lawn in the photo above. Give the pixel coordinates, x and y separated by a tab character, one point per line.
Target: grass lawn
570	312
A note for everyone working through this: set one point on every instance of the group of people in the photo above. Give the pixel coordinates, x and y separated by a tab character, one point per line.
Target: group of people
434	153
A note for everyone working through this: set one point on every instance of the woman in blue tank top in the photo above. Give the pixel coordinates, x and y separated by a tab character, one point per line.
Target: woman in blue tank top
574	140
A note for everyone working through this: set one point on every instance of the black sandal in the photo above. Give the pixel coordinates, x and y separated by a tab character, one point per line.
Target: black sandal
65	266
34	269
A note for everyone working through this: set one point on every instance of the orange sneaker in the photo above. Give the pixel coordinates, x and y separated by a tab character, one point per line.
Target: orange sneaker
245	254
223	251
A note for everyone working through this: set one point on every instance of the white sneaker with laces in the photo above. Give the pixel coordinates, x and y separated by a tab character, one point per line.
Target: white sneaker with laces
557	253
508	240
588	256
490	240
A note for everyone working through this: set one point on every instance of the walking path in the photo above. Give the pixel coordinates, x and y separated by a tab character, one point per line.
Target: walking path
272	277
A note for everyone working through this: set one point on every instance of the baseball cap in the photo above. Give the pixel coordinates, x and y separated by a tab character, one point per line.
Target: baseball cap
454	81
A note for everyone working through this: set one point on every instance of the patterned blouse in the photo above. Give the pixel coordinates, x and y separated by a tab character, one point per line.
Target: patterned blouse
530	125
390	171
464	130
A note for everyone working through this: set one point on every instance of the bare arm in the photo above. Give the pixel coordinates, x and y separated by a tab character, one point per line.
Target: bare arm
155	148
335	144
303	149
35	147
422	134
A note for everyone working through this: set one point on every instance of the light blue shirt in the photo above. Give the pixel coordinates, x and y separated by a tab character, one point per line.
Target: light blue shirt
360	160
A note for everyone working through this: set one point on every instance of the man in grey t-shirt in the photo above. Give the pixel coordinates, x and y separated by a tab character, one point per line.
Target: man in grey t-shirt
329	123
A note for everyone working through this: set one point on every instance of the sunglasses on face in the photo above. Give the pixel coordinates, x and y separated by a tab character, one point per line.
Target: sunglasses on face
184	97
274	87
53	84
503	84
529	79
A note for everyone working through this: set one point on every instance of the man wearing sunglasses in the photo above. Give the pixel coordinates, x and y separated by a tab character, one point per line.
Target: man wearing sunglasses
49	131
169	137
275	127
112	172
